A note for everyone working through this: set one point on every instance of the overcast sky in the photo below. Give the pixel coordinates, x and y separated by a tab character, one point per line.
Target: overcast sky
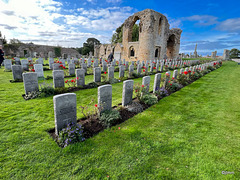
213	25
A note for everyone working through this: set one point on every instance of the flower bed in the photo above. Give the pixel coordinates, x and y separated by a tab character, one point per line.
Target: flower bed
95	122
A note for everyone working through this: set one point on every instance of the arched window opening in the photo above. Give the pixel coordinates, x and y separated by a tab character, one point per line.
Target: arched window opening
171	46
160	26
135	29
132	52
156	53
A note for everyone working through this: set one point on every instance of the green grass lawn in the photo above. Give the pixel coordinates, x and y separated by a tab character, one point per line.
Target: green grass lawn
192	134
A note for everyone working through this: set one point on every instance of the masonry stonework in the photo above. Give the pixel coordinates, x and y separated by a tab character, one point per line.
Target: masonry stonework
156	40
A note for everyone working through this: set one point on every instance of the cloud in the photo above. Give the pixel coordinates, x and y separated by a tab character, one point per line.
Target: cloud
230	25
174	23
9	13
8	27
202	20
113	1
103	19
48	22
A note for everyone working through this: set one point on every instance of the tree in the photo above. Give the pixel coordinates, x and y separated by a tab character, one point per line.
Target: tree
117	36
88	46
234	53
15	41
135	33
57	51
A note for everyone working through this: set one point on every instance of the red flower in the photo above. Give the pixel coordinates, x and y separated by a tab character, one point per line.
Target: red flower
143	67
64	67
95	105
185	72
92	61
31	65
72	80
60	62
33	70
124	64
77	78
172	77
154	67
57	61
61	65
214	64
105	72
119	128
167	74
169	81
66	81
142	85
184	63
136	90
189	71
144	70
170	84
176	65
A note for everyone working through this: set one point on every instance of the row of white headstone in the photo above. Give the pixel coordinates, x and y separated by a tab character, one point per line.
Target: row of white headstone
65	104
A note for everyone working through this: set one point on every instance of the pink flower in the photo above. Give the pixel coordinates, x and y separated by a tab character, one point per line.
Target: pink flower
119	128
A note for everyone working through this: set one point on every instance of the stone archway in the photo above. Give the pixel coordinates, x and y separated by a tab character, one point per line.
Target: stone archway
157	52
171	46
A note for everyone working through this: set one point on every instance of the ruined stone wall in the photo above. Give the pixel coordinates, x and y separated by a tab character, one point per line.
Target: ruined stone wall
32	50
156	40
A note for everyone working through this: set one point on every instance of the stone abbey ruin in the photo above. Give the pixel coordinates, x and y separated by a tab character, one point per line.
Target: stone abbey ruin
156	40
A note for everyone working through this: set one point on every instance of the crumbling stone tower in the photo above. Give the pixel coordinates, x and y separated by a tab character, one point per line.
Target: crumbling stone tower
156	40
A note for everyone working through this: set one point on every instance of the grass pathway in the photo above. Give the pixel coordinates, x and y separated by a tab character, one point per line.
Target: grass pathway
192	134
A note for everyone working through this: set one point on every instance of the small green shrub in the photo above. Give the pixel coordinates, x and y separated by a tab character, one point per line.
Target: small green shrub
174	87
46	90
71	134
109	117
182	79
92	84
49	77
149	99
60	90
